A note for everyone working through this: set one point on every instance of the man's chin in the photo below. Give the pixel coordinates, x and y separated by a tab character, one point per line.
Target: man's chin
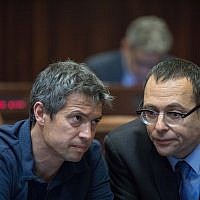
75	157
164	151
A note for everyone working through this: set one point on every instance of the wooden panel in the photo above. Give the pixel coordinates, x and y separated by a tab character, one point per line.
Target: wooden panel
126	100
35	33
14	100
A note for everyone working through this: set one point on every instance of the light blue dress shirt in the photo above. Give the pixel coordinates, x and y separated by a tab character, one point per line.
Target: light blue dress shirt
193	160
128	79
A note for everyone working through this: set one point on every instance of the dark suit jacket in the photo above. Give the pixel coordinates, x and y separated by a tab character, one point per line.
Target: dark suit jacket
137	171
107	66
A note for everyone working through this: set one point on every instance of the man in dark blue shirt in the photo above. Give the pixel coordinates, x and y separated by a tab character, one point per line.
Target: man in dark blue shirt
52	155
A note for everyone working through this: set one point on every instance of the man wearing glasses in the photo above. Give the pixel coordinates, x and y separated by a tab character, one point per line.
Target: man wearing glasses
157	157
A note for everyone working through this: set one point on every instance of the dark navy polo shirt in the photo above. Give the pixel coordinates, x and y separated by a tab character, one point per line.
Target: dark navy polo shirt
86	179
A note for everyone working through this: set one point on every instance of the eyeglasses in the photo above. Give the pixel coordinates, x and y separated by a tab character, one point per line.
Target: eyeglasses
172	118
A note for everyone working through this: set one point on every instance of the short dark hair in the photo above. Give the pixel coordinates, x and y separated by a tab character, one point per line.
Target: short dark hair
175	68
55	83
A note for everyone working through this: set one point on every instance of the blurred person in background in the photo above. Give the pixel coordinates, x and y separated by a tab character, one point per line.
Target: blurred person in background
147	41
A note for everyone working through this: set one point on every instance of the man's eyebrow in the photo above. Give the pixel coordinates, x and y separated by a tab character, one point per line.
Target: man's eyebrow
151	106
169	106
84	115
77	112
175	106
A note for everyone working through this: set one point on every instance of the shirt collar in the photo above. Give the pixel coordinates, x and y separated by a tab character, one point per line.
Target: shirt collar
28	161
25	143
192	159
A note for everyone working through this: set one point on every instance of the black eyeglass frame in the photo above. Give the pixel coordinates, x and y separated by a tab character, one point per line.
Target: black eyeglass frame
183	115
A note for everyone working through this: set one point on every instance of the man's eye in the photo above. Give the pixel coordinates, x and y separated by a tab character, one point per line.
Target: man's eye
96	121
77	119
150	113
174	115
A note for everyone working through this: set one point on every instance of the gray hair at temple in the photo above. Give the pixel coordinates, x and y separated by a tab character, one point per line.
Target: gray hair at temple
55	83
150	34
176	68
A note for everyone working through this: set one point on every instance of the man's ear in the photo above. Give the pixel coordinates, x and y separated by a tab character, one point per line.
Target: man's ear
39	113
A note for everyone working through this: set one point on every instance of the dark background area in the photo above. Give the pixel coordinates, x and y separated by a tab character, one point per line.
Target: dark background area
35	33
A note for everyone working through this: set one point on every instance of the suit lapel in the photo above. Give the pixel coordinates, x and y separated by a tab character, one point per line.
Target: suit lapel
164	177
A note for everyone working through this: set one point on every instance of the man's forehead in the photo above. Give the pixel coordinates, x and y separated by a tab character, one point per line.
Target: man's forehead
180	89
171	83
81	100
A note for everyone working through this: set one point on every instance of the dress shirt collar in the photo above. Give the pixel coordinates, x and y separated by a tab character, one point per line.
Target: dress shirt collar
192	159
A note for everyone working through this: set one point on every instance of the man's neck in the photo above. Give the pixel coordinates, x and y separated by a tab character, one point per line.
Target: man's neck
47	162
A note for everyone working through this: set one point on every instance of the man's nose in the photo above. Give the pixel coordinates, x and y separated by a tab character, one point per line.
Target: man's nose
86	131
160	123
